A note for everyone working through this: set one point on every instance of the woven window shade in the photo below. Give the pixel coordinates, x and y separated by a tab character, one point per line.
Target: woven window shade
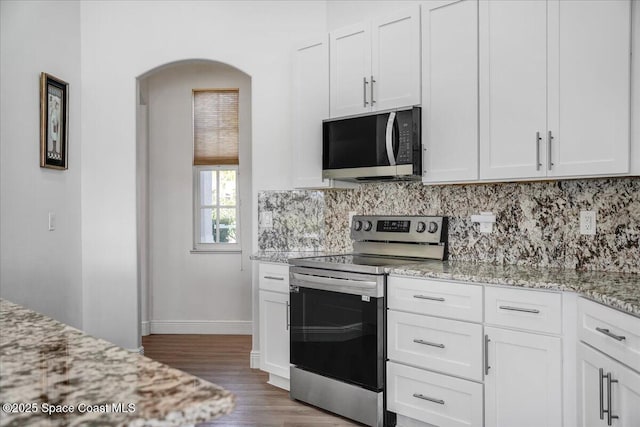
215	127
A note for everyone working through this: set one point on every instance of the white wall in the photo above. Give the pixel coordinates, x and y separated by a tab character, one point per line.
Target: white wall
635	88
39	269
123	40
191	292
346	12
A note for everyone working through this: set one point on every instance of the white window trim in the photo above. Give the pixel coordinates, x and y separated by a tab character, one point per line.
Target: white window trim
197	211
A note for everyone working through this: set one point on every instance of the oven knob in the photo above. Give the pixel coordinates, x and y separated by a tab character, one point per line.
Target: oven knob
433	227
421	227
367	225
357	225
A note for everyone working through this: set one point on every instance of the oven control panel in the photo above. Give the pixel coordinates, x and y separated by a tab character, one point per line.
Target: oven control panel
416	229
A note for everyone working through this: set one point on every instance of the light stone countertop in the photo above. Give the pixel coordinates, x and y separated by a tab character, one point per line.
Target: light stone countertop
284	257
617	290
45	362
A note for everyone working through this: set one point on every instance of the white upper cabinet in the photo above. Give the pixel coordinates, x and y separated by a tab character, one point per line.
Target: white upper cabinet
375	65
450	90
350	70
395	60
310	107
554	88
589	86
513	99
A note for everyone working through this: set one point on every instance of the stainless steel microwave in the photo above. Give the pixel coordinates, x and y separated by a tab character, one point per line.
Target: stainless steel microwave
373	147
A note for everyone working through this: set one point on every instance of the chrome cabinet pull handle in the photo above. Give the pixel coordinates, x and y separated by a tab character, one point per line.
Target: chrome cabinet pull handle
274	277
373	101
601	392
432	344
610	416
611	334
549	140
428	297
538	139
486	355
288	307
525	310
430	399
364	91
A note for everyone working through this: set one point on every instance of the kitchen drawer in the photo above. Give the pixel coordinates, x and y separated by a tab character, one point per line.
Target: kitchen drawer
443	345
615	333
524	309
433	398
445	299
273	277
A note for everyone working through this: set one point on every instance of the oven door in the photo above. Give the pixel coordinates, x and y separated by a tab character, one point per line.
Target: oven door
337	325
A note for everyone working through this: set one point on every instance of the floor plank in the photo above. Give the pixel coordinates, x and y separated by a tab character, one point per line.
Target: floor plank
224	360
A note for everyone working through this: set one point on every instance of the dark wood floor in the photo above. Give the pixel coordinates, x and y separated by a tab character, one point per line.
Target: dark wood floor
224	360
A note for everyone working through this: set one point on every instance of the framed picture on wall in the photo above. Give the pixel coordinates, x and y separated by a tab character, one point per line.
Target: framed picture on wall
54	123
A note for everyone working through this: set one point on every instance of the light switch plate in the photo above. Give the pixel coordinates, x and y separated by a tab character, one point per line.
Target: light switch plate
52	221
266	219
588	222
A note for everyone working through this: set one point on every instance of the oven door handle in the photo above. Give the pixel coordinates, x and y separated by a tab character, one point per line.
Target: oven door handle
347	286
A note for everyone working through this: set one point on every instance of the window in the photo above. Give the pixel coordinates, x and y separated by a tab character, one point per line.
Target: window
215	170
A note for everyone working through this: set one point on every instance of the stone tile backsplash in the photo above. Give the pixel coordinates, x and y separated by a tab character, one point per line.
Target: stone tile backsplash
290	220
536	223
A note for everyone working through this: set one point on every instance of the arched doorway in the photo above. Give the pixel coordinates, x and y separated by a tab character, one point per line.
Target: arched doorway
182	289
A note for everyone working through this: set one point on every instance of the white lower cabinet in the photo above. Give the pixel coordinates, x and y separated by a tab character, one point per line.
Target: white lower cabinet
437	344
275	330
474	355
609	392
523	380
433	398
274	322
608	367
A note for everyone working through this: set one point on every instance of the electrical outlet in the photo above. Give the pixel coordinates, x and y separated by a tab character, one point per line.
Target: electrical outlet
588	222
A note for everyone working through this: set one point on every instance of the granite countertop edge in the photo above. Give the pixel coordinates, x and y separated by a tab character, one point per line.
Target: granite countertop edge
620	291
80	368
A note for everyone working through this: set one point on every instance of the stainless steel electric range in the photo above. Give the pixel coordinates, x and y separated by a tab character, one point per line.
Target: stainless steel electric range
338	313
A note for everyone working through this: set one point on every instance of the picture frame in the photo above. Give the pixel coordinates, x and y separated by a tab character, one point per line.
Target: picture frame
54	122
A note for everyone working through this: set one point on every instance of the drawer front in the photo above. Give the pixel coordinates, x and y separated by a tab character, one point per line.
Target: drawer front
443	345
273	277
615	333
433	398
446	299
524	309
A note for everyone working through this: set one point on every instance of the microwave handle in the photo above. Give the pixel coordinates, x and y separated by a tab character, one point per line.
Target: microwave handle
389	138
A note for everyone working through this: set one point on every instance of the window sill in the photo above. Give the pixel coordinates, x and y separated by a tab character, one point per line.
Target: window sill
216	251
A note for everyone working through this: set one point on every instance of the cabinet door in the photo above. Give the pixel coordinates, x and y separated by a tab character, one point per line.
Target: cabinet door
395	60
523	386
450	90
310	107
590	389
350	70
513	88
274	333
589	86
593	392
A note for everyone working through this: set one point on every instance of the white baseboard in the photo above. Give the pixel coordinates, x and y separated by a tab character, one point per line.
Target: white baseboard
213	327
254	359
145	328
